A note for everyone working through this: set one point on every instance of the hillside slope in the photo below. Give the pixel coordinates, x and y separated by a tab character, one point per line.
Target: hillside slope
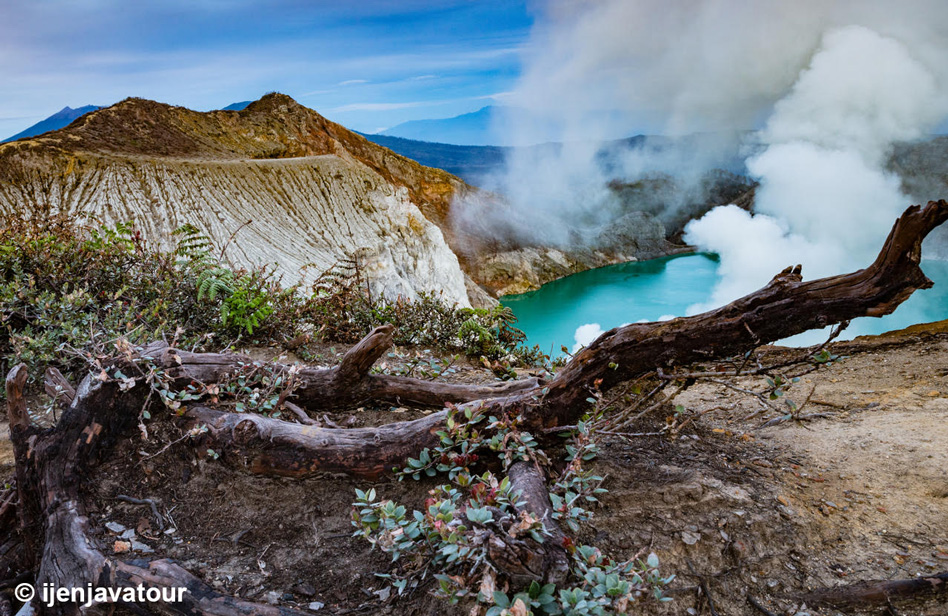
314	192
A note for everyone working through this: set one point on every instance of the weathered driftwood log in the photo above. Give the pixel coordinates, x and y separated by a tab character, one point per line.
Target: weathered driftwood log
20	431
58	387
345	386
266	446
50	465
786	306
553	565
880	593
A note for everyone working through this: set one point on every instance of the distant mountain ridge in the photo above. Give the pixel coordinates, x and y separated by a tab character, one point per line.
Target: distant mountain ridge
318	194
237	106
67	115
478	164
475	128
471	163
61	119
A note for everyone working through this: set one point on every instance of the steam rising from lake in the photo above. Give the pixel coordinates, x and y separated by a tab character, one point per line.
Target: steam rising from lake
825	199
830	87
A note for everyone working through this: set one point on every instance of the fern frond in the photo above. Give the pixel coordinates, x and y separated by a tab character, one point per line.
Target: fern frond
215	281
192	244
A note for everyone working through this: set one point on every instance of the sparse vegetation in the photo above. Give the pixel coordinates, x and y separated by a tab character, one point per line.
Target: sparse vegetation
452	537
508	526
67	290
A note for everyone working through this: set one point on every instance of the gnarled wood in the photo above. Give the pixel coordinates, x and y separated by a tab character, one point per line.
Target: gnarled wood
51	464
345	386
512	550
16	403
21	431
529	481
358	360
58	387
266	446
53	471
785	307
880	592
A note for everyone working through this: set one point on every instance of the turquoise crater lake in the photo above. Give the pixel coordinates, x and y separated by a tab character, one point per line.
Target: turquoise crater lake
662	288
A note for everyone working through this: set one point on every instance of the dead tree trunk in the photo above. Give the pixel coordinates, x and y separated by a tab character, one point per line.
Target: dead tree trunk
266	446
879	593
785	307
51	463
345	386
551	559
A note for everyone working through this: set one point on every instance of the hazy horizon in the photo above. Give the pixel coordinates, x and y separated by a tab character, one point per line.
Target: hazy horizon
368	66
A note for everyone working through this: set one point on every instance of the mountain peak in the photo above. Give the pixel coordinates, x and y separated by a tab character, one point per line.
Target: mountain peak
275	126
275	99
236	106
60	119
149	161
472	128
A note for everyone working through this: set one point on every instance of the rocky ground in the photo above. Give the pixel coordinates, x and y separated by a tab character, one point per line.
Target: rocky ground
737	510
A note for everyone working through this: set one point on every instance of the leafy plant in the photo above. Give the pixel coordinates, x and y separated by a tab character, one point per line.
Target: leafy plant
449	539
450	535
68	290
577	485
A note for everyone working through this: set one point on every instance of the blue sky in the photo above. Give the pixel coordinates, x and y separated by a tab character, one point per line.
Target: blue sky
367	64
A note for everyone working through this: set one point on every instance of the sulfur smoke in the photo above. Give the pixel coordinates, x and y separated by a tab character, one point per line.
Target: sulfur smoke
825	198
819	91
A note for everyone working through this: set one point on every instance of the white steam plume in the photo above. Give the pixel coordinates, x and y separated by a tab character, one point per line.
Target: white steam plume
825	199
598	70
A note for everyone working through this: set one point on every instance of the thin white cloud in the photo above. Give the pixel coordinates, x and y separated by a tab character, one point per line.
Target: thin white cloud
402	105
378	106
50	58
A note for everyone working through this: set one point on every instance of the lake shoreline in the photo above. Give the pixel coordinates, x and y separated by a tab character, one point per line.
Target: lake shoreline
575	309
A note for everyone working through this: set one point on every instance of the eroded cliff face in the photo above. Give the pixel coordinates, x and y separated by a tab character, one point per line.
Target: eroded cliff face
306	214
315	194
493	253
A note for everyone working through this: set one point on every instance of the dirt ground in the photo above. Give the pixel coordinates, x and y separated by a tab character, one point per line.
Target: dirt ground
736	510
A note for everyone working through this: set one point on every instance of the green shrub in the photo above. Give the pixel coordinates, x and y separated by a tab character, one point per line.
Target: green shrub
67	291
448	538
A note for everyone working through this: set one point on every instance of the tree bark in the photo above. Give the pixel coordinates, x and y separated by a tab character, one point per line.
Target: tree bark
58	387
345	386
21	431
266	446
786	306
51	463
880	592
529	481
50	467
